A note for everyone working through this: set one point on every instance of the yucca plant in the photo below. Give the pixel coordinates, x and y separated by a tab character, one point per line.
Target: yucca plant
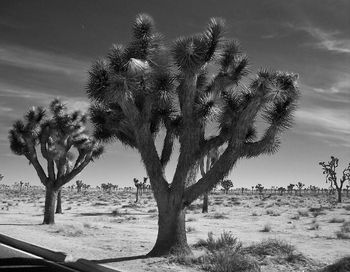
60	136
197	91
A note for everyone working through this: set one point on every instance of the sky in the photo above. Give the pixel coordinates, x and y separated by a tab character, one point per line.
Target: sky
47	47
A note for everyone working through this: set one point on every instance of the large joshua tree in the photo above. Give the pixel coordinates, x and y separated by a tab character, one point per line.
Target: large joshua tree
59	135
145	87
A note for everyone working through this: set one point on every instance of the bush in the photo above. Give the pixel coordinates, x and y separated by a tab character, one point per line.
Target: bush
336	220
267	228
344	232
303	213
227	261
342	265
226	241
270	247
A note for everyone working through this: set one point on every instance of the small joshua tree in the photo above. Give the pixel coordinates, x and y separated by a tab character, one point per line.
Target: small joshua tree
146	86
329	169
300	186
226	184
290	188
56	133
1	177
259	188
281	190
79	185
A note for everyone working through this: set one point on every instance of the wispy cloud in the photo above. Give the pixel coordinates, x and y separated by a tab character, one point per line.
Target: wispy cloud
40	98
28	58
325	123
329	40
333	41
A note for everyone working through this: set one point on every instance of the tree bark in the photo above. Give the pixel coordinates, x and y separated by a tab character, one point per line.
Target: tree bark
205	203
59	203
339	194
171	229
50	201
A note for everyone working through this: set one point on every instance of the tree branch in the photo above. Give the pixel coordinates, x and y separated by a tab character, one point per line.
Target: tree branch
167	148
218	171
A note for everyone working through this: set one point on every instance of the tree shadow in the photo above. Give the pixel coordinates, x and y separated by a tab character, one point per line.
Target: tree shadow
121	259
20	224
110	214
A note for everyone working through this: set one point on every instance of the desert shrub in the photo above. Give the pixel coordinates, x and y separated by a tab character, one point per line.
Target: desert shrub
347	207
152	210
342	265
227	261
217	215
194	207
191	219
336	220
314	226
190	229
225	241
270	247
69	230
254	213
344	232
116	212
295	217
303	213
266	228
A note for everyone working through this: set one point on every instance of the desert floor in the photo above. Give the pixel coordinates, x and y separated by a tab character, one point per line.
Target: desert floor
106	227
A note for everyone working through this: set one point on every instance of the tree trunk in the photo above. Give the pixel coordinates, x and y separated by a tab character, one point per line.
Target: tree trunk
59	203
205	203
171	230
339	194
137	194
50	201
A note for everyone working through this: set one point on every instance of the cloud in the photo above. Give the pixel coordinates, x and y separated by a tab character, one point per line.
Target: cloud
327	40
27	58
328	124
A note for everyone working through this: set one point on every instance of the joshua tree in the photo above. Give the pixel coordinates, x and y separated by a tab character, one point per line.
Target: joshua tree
208	161
145	87
79	185
281	190
259	188
56	133
226	185
139	185
329	169
1	177
290	188
300	186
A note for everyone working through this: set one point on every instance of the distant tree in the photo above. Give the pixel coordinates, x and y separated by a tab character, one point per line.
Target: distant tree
281	190
79	185
300	186
1	177
290	188
146	86
226	185
260	188
56	134
329	169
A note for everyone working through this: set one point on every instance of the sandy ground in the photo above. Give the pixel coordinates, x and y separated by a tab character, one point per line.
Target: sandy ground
108	227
